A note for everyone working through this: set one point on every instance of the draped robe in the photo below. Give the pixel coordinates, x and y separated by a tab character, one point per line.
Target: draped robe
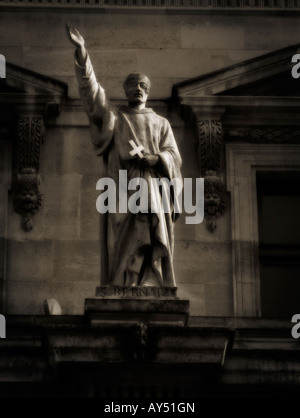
142	243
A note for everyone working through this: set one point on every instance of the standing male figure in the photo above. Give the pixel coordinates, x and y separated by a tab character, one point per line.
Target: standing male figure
136	248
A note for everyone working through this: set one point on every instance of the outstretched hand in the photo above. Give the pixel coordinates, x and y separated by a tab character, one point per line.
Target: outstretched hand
74	36
78	41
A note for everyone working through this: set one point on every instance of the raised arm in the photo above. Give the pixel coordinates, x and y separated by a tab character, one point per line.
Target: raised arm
99	111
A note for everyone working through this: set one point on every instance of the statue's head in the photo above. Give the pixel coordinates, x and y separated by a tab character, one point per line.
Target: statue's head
137	87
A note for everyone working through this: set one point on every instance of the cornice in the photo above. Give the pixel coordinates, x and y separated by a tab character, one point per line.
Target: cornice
173	6
238	75
207	102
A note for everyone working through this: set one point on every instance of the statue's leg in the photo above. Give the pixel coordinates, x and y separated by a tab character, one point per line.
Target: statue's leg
150	277
132	274
131	278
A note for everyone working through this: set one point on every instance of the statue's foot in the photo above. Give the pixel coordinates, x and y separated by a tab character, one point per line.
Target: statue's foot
131	279
150	282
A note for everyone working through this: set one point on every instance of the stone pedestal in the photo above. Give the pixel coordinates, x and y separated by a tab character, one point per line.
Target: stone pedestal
131	305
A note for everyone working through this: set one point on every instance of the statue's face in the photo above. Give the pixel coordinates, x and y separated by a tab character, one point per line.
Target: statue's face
28	200
212	202
137	91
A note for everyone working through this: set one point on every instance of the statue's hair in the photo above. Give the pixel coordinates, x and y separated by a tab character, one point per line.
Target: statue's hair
134	77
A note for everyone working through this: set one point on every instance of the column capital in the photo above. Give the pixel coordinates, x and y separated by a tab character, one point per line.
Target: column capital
207	111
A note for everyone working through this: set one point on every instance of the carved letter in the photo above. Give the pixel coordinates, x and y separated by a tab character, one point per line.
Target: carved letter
2	66
2	326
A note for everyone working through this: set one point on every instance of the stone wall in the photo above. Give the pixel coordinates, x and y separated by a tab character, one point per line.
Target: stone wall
168	47
59	257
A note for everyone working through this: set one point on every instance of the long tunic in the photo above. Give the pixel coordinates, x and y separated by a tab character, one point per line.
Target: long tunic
142	242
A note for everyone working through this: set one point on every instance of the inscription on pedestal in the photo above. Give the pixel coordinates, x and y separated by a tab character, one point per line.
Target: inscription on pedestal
136	292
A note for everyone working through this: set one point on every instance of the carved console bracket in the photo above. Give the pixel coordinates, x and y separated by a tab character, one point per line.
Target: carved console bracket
32	101
210	142
27	199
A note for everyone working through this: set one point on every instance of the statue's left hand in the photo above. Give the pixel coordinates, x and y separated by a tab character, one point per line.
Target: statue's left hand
149	161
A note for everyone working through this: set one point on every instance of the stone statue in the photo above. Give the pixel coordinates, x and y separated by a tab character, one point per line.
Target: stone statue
136	248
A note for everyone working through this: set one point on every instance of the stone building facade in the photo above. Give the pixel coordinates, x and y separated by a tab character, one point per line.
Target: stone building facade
221	73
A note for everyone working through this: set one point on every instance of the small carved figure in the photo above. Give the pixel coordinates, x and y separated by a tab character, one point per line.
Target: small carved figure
214	202
27	198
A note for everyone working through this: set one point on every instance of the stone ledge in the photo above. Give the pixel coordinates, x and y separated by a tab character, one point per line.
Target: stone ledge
200	6
158	345
249	353
136	305
129	310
